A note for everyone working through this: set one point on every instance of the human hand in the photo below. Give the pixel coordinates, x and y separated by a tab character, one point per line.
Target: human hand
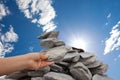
37	60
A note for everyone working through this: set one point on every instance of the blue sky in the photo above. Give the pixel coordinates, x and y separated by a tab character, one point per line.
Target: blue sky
95	22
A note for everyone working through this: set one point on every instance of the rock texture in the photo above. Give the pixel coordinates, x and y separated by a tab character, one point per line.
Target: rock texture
70	63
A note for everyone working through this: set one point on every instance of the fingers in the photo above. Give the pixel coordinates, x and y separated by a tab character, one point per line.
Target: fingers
45	63
44	57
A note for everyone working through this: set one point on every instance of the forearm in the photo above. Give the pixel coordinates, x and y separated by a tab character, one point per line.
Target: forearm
12	64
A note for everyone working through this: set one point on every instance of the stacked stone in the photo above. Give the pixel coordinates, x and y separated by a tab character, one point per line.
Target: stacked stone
70	63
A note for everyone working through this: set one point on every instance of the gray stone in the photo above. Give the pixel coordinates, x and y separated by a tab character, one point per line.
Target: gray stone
51	42
48	35
64	64
44	35
95	64
76	59
71	56
39	72
99	70
59	43
87	58
57	76
16	75
86	55
48	43
57	54
56	68
101	77
37	78
3	78
54	34
78	49
80	72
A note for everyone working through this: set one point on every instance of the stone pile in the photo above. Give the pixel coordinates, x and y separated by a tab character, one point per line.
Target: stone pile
70	63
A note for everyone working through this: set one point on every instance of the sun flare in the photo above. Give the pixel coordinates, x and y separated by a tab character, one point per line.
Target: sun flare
78	42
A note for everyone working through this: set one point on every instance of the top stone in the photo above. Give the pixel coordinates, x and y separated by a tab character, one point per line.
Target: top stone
49	35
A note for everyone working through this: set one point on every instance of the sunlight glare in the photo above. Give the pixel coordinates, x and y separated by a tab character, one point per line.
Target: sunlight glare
78	42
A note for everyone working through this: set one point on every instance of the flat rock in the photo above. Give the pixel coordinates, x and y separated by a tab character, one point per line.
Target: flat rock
3	78
48	43
39	72
51	42
76	59
86	55
59	43
16	75
49	35
57	54
101	77
95	64
64	64
56	68
54	34
87	58
80	72
70	56
99	70
57	76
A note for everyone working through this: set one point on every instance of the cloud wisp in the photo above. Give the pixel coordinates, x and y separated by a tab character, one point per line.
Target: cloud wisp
6	41
108	17
113	42
39	11
4	11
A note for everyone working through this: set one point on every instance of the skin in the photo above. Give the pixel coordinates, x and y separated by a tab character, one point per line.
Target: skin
31	61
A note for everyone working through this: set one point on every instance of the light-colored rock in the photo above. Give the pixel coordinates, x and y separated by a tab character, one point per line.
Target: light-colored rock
99	70
57	54
49	35
87	58
95	64
101	77
51	42
57	76
59	43
70	56
80	72
48	43
76	59
44	35
39	72
3	78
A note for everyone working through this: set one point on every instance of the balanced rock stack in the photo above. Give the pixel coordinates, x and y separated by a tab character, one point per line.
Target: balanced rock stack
70	63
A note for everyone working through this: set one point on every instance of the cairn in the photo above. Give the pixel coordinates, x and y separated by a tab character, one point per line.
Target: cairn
70	63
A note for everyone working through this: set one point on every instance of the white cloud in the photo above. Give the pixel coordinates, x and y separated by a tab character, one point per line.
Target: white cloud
113	42
6	41
10	36
109	15
39	11
3	11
